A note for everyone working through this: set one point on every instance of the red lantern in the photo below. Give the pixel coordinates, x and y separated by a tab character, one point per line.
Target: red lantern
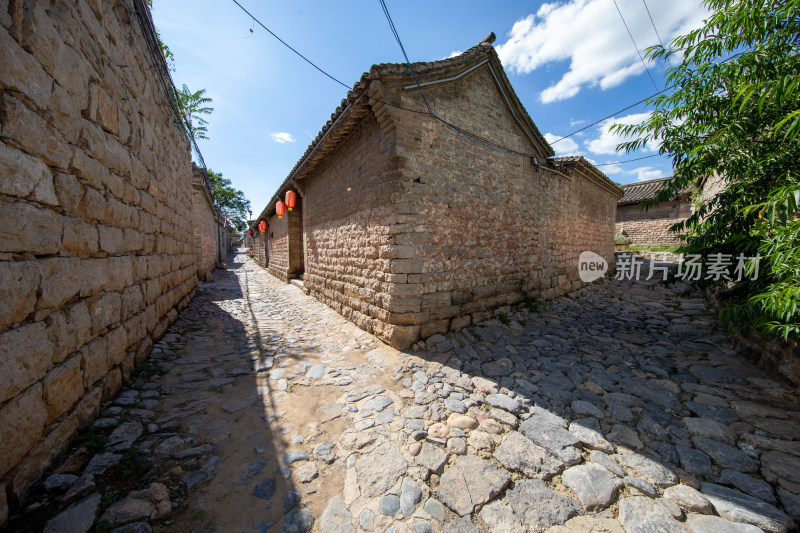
250	233
262	226
280	209
291	199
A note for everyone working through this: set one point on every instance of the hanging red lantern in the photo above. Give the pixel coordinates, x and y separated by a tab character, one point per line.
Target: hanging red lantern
280	209
291	199
250	233
262	226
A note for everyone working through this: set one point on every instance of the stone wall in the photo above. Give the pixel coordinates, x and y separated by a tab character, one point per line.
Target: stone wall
204	226
96	246
651	227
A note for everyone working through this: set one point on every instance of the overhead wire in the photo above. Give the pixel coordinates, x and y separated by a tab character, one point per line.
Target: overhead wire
486	142
636	47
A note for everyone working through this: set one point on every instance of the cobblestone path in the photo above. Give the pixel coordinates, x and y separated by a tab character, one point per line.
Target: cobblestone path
617	408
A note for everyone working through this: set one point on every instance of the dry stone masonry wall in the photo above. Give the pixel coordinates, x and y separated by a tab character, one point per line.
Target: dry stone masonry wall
96	246
651	227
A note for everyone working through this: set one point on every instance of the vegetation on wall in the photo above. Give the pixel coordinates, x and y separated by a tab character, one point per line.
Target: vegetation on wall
735	110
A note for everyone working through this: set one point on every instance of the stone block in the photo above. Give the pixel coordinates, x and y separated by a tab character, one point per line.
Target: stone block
111	239
94	363
68	190
88	407
112	382
117	343
19	282
94	206
433	327
22	173
80	238
28	228
25	355
104	147
24	128
62	387
21	423
22	73
103	110
61	281
104	310
94	276
38	460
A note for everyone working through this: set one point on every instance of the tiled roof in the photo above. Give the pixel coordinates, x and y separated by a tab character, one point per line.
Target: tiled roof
587	168
644	190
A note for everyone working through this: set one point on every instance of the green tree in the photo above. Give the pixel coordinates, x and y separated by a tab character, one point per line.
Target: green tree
735	110
193	105
232	202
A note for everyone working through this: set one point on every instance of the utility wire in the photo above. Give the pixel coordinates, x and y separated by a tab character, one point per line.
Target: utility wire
611	115
661	42
627	160
397	38
634	45
486	142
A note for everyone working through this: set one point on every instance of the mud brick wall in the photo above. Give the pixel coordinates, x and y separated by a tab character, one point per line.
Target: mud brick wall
278	243
259	247
488	229
348	238
651	227
96	244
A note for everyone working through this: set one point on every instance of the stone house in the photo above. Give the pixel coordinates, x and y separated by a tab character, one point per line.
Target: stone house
650	227
409	228
97	248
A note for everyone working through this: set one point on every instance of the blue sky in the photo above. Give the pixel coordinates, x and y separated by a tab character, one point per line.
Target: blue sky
570	62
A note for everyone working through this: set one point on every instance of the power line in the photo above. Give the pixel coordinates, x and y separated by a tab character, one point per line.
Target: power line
660	41
397	38
476	138
611	115
628	160
634	45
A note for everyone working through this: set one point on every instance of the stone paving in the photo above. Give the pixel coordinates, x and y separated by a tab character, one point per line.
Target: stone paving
617	408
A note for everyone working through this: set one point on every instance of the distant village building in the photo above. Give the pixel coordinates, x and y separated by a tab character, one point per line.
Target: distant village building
409	228
650	227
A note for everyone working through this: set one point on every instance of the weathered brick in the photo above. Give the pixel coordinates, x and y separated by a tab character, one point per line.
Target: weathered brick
68	190
21	423
25	357
62	387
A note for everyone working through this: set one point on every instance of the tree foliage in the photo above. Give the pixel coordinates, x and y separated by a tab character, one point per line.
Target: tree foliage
232	202
735	110
193	105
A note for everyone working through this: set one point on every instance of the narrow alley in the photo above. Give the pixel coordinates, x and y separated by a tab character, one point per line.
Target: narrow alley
617	408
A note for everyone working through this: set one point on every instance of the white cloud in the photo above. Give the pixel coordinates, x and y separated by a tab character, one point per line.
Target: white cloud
563	147
646	173
606	142
590	35
282	137
454	53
